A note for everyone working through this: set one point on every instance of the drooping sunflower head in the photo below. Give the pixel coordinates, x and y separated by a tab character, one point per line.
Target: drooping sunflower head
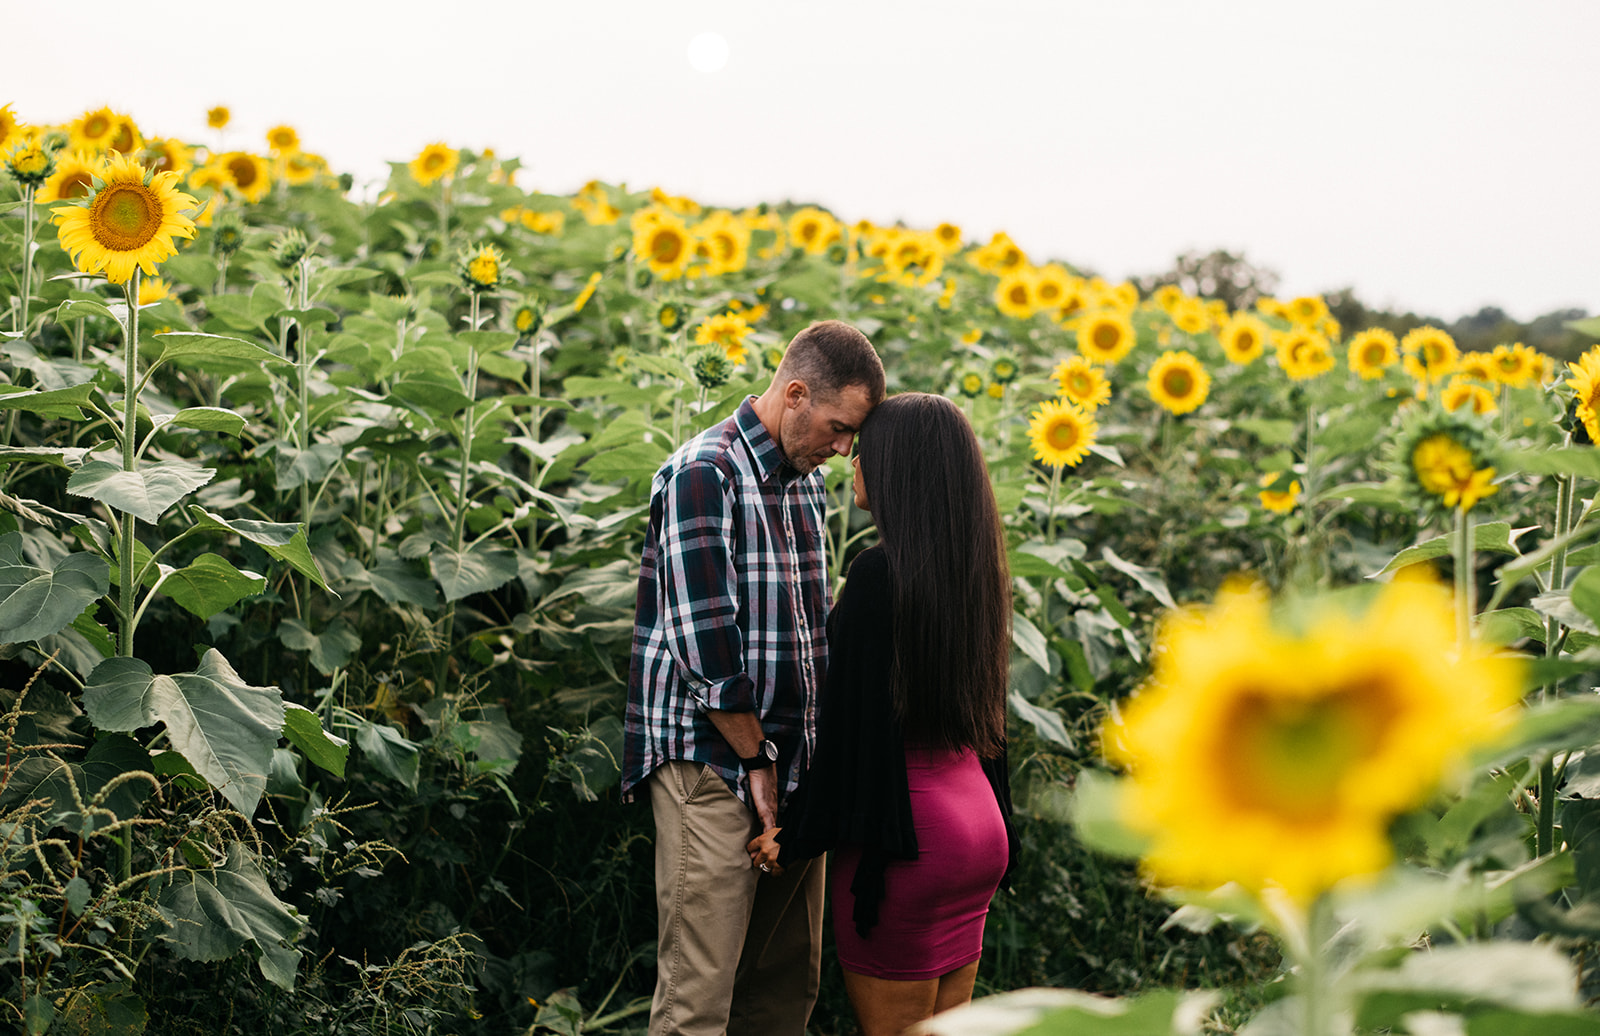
1446	459
1430	354
1279	492
1061	433
128	222
1243	338
434	162
481	268
1105	337
1372	352
1082	382
1303	731
1178	381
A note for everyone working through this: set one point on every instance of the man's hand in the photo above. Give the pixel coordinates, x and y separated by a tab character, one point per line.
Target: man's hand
764	796
763	850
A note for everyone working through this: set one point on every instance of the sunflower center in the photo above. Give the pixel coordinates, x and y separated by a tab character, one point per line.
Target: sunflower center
1063	435
125	216
1019	295
1079	383
1178	382
1105	337
243	172
75	185
96	126
1290	756
666	246
1372	356
1244	341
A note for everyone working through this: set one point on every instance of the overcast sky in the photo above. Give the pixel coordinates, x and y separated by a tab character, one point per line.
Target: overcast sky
1436	155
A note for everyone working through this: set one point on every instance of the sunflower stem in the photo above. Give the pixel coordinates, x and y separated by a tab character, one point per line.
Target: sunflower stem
130	462
27	257
458	532
1316	995
1544	831
1466	583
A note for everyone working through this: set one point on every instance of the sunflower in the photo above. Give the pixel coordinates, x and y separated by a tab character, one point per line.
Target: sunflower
218	117
728	330
1061	433
712	367
168	155
662	241
1243	338
913	259
1105	337
1167	297
551	224
1478	366
125	136
725	241
1444	469
947	294
587	293
433	162
300	167
528	318
1082	382
1372	352
1304	354
1004	369
74	177
1307	311
1302	732
1514	365
1585	382
1191	316
1000	256
8	127
1430	354
1014	295
1052	285
1445	459
247	172
1464	393
93	130
153	290
970	383
482	267
283	140
814	230
1178	382
995	389
670	316
1277	497
129	221
949	237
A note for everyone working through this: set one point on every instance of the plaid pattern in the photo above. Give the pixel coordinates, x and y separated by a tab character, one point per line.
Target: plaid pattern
733	606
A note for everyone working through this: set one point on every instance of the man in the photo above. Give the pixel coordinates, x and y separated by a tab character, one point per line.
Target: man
729	652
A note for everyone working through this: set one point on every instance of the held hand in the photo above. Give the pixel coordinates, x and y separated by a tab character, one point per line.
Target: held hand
763	850
764	796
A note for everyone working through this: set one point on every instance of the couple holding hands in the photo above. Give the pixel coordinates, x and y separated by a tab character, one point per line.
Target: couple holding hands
768	728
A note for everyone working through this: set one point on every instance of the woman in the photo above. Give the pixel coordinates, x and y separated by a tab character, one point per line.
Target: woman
909	782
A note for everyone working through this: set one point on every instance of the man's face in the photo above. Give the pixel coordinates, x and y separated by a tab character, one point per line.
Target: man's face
814	428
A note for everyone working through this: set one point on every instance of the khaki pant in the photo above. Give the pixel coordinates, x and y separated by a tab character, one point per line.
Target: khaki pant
739	952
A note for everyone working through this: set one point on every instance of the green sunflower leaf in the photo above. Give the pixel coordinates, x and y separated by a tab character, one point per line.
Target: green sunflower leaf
1497	537
144	493
36	601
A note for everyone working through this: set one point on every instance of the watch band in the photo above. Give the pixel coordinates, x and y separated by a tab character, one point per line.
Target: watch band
766	755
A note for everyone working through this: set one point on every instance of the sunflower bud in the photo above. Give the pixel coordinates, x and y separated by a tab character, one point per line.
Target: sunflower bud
481	268
670	316
1004	369
30	164
289	247
528	318
712	368
970	384
227	235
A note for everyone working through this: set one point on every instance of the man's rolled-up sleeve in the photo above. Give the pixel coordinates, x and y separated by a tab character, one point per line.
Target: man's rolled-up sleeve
699	586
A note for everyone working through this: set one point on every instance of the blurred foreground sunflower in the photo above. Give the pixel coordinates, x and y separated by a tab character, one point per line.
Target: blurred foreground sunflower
1274	748
128	223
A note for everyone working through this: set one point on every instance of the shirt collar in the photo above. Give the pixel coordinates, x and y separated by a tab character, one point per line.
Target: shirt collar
770	461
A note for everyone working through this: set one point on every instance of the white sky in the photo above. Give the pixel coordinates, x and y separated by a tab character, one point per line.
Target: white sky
1437	155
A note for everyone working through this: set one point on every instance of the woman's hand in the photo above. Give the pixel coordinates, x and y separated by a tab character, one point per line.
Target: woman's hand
763	850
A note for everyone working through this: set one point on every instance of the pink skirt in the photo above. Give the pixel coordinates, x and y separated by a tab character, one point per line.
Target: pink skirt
931	920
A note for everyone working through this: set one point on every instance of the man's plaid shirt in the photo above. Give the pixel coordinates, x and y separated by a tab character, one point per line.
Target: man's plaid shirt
733	606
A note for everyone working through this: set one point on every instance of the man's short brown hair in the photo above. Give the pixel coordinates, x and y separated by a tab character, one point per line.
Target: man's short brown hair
830	355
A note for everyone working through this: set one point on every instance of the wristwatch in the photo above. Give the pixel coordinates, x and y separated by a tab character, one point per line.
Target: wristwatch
766	755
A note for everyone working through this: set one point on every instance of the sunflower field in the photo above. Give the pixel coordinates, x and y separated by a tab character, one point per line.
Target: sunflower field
320	521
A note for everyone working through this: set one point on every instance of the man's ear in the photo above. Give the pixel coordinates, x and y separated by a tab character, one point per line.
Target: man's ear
795	393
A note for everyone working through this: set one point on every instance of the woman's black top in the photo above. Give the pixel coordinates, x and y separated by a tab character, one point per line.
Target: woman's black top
856	792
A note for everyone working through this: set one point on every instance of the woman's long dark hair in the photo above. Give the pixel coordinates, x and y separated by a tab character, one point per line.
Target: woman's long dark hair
939	526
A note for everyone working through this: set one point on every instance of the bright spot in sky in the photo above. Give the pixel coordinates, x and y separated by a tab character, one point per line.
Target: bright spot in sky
708	52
